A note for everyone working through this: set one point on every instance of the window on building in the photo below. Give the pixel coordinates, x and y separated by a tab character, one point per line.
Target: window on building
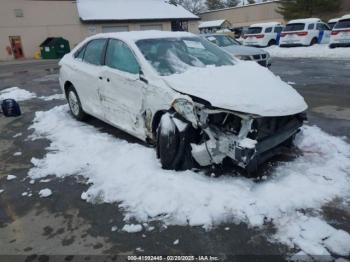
93	52
18	12
119	56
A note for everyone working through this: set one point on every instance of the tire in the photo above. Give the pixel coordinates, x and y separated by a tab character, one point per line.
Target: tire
173	146
313	41
331	46
75	105
271	42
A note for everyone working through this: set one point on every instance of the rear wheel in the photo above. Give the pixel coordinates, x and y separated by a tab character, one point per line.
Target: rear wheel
173	146
313	41
272	42
75	105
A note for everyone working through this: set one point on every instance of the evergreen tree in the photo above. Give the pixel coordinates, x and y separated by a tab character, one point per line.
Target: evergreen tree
232	3
214	4
293	9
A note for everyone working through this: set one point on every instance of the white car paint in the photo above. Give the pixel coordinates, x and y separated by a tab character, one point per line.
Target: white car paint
130	102
340	35
270	33
305	31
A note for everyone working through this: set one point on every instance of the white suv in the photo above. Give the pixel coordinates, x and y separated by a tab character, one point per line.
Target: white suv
305	32
264	34
195	102
340	36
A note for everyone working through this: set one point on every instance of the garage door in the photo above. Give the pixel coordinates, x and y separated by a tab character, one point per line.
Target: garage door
110	29
152	27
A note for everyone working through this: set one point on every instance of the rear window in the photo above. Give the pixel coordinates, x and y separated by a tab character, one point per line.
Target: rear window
294	27
254	30
343	24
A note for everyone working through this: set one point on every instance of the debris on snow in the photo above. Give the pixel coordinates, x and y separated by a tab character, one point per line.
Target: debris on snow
16	93
11	177
131	228
309	182
45	192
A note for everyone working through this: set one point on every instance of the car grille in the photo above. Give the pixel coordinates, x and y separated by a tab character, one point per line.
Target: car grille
256	57
263	56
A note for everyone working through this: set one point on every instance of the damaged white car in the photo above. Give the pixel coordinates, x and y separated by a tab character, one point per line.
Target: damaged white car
195	102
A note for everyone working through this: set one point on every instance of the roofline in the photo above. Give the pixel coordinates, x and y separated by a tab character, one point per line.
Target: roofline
137	20
237	7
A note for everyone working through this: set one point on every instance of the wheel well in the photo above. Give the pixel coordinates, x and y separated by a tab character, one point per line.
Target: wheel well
67	85
156	120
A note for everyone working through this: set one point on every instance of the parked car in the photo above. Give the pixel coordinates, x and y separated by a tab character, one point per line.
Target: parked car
263	34
332	22
305	32
340	36
199	105
235	48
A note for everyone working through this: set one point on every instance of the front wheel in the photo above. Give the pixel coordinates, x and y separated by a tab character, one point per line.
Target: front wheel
173	146
75	105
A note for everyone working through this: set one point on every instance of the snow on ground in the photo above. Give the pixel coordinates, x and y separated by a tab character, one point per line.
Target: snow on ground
132	228
1	190
146	192
16	93
17	154
52	97
11	177
46	192
316	51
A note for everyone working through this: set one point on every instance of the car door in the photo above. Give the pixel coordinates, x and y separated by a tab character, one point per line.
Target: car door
87	76
122	92
324	33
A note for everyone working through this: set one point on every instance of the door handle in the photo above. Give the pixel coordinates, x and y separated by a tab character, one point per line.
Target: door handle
108	80
100	77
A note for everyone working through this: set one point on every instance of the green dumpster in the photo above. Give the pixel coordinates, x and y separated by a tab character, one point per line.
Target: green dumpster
54	48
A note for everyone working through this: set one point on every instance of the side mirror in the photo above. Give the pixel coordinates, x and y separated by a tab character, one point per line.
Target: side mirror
142	76
10	108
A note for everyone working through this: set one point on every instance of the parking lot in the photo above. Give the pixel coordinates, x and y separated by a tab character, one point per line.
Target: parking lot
64	224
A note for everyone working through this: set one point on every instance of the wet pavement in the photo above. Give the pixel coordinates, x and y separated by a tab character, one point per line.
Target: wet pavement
63	224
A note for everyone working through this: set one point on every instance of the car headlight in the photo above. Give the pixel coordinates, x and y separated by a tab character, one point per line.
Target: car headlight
186	109
244	57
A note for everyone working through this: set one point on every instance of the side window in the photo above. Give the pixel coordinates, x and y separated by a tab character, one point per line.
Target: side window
325	27
93	52
311	27
80	53
119	56
319	26
268	30
278	29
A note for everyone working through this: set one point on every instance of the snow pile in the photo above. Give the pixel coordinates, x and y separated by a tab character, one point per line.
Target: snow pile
52	97
316	51
131	175
45	192
132	228
16	93
11	177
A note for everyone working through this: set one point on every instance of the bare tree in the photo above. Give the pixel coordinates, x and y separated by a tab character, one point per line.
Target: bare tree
194	6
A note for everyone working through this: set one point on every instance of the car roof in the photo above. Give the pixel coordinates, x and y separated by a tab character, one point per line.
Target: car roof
139	35
334	20
305	21
345	17
265	24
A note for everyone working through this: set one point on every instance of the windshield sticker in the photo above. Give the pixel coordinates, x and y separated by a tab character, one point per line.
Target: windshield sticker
194	44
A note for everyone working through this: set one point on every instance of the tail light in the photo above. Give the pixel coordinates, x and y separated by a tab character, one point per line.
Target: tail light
283	34
335	32
245	37
302	33
259	36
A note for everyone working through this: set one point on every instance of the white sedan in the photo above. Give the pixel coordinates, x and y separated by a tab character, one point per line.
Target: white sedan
195	102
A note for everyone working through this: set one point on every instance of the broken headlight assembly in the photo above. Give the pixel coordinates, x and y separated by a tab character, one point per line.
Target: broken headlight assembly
186	109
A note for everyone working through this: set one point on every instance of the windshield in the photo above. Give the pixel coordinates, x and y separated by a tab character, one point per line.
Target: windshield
343	24
294	27
254	30
222	40
176	55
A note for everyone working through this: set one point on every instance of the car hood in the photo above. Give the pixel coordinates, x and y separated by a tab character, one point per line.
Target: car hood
243	50
245	87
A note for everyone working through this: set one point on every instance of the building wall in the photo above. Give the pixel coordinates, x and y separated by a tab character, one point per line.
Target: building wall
247	15
42	19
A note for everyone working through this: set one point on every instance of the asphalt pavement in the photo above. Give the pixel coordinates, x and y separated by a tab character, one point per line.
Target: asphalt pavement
66	225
